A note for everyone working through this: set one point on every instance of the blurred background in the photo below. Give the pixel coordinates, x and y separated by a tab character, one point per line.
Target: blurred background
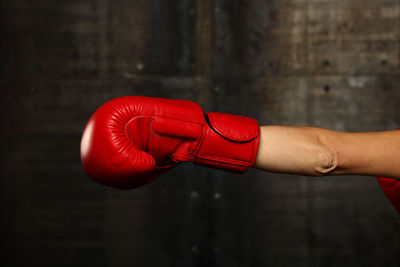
324	63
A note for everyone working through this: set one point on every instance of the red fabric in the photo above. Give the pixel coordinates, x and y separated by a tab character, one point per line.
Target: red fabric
392	189
130	141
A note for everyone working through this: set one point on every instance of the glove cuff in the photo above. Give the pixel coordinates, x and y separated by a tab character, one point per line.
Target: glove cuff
229	142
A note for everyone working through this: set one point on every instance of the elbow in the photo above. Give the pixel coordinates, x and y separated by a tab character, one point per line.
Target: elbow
327	161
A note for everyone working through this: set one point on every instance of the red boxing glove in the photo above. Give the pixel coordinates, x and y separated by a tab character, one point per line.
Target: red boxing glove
130	141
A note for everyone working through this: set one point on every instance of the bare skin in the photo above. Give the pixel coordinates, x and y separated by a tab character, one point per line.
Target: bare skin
318	152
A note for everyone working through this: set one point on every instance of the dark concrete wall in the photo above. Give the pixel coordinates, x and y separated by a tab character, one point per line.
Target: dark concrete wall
332	64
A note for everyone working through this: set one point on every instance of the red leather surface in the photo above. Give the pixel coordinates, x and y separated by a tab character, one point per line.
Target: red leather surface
231	142
129	141
233	127
108	154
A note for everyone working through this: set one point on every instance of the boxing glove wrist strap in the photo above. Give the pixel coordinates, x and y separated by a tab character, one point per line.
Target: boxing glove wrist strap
230	142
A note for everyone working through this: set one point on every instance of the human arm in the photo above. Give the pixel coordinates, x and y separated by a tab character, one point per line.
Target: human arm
317	152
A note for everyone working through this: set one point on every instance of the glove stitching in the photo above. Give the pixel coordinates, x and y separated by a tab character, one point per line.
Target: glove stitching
231	135
223	159
159	116
214	125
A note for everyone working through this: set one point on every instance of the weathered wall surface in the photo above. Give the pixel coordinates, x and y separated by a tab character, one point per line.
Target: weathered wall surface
325	63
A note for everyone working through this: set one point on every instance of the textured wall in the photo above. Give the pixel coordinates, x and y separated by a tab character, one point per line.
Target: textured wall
326	63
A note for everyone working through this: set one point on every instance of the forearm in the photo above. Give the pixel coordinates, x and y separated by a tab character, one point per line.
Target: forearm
369	153
294	150
317	152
